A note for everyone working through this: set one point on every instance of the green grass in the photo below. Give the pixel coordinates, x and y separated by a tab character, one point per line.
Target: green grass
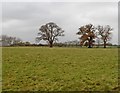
59	69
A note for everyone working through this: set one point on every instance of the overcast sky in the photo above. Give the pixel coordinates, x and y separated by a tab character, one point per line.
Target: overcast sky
23	20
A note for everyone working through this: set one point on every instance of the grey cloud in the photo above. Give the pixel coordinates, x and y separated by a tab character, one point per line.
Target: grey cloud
24	19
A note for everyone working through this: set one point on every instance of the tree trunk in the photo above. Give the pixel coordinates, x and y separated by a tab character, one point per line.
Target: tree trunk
51	44
104	44
90	43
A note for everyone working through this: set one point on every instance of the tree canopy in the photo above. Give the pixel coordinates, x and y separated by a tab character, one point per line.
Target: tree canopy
49	32
105	33
87	34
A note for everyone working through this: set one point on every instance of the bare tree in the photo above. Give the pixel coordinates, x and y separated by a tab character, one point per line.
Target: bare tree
49	32
9	40
105	33
87	34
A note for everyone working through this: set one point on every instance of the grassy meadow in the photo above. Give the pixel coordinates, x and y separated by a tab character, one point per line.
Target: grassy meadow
59	69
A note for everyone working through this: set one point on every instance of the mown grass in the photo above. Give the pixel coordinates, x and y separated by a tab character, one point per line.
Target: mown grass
59	69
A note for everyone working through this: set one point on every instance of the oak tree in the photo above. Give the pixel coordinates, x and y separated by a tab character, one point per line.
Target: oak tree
50	33
105	33
87	34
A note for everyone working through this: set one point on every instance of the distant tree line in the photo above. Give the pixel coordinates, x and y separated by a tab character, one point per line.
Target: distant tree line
89	36
6	41
9	40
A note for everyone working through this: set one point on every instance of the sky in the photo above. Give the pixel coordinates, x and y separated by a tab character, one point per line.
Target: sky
23	19
119	23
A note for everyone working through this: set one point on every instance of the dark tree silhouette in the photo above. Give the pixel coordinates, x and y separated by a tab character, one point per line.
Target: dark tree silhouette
87	34
49	32
105	32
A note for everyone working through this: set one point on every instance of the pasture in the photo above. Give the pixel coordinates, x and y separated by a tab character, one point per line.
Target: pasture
59	69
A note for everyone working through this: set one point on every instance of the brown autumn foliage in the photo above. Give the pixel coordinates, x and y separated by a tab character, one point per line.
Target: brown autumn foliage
87	34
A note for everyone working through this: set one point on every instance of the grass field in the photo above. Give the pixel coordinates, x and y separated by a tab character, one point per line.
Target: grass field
59	69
